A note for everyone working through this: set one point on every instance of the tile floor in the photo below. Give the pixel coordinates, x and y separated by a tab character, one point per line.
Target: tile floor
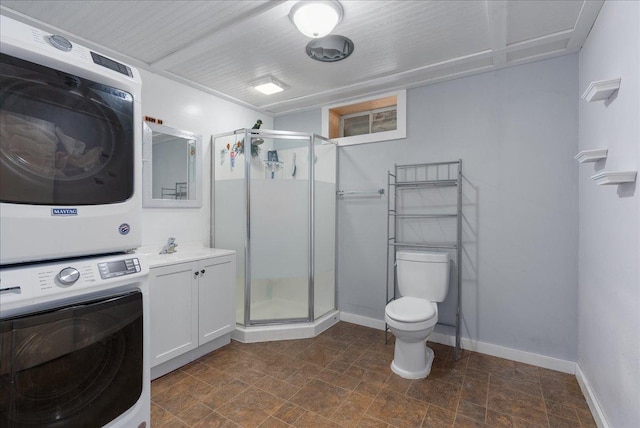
342	379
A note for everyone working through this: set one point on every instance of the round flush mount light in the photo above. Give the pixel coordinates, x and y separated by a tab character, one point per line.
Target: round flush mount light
330	48
316	18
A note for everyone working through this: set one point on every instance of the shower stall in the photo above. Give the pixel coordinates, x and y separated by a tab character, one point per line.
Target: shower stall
274	203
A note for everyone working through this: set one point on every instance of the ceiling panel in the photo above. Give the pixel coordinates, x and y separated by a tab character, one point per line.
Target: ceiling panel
221	46
530	19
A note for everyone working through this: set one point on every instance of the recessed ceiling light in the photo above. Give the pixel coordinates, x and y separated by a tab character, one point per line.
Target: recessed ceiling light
268	85
316	18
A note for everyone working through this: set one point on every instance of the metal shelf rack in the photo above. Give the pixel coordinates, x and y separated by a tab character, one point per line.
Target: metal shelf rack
416	178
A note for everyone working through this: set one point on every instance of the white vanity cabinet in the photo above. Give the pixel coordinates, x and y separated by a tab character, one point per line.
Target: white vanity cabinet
192	306
173	302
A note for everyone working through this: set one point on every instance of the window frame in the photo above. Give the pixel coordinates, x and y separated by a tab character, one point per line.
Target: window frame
401	119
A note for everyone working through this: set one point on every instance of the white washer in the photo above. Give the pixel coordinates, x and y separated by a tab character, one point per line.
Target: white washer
78	330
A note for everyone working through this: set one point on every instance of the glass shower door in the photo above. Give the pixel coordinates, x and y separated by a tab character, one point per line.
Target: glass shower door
324	254
279	223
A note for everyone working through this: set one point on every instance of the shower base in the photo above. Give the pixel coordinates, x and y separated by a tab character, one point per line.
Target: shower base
268	333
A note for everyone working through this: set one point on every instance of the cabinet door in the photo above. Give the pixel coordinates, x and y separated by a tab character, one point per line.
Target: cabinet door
173	299
217	297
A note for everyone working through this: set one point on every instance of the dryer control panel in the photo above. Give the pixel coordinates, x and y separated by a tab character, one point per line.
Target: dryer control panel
118	268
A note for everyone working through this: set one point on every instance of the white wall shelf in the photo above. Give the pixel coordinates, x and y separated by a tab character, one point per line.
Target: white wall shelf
601	90
591	155
614	177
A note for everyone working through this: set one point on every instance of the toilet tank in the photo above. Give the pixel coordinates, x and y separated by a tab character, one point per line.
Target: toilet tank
423	275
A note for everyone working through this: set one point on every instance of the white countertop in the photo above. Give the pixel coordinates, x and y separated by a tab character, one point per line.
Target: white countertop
184	253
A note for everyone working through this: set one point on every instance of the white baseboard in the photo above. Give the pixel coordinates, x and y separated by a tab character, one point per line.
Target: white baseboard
544	361
363	321
592	400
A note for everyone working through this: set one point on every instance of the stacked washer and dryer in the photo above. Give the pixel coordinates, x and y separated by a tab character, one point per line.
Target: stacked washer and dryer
74	318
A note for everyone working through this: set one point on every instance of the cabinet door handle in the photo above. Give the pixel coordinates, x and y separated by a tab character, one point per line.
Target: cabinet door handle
202	271
196	273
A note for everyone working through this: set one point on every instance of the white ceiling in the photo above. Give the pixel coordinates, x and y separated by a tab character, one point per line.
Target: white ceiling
221	46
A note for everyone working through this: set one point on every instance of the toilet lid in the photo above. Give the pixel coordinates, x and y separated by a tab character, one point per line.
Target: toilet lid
411	309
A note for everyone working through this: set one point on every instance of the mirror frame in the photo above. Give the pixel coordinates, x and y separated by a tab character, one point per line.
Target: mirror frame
147	168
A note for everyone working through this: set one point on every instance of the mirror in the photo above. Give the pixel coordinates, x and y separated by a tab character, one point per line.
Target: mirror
171	167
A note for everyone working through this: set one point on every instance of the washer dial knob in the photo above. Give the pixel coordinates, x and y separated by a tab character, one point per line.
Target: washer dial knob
60	42
68	276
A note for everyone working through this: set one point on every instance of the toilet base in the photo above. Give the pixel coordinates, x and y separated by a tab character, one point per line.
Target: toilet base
412	360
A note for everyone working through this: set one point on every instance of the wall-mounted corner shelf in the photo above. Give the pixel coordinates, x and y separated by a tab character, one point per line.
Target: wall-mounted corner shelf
601	90
591	155
614	177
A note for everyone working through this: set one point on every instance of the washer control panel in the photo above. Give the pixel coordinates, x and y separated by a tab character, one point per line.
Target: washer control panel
116	268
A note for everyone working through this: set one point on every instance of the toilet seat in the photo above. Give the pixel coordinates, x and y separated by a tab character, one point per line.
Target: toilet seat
411	313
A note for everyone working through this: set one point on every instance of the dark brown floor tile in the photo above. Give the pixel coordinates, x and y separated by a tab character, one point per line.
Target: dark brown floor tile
558	422
159	416
173	400
473	411
397	384
351	410
447	374
369	422
519	405
167	381
558	409
497	419
303	375
465	422
397	410
225	357
175	422
276	387
215	420
338	366
556	375
437	417
476	374
586	418
338	379
320	397
246	372
309	419
493	365
317	354
214	377
219	397
525	372
289	413
375	361
514	384
441	351
195	413
251	408
272	422
193	367
475	391
567	393
281	367
351	354
441	394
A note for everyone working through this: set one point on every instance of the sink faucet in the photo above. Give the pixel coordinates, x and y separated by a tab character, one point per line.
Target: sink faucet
170	247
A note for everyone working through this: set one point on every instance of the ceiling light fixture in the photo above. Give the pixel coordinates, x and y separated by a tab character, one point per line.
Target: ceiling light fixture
268	85
316	18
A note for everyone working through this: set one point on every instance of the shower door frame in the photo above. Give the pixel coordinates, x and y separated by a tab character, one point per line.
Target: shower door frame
311	141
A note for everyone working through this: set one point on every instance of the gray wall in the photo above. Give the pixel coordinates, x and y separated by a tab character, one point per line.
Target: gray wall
609	305
516	132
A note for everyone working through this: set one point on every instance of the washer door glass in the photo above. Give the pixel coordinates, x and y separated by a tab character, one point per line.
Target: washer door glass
74	366
64	140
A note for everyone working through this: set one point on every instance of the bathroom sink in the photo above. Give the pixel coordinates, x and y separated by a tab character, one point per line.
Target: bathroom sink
182	255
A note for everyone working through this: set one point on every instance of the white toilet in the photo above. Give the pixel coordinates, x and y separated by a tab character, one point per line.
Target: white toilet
423	280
